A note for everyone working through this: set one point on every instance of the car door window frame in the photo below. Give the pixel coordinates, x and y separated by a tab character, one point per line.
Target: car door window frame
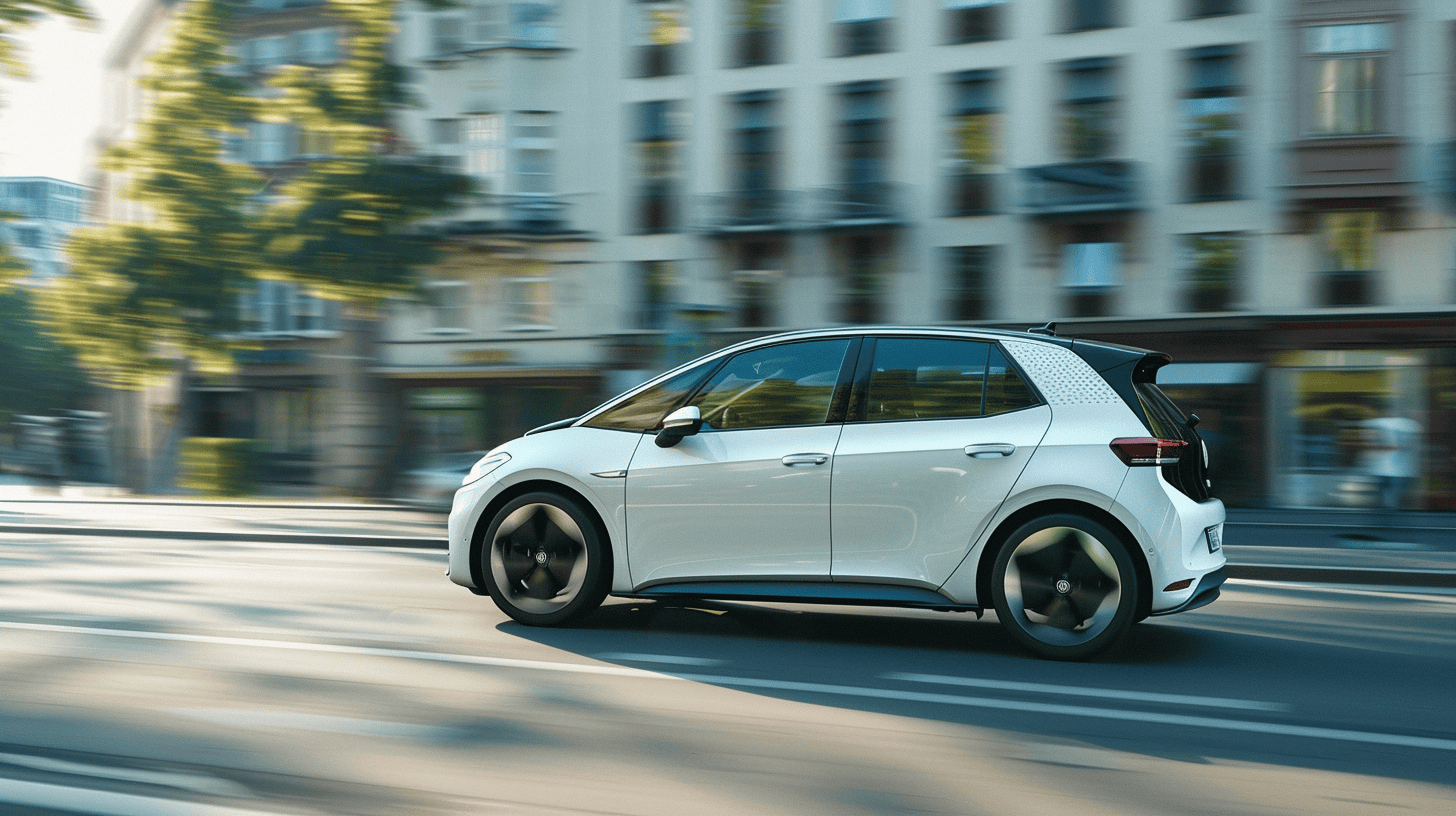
858	408
838	400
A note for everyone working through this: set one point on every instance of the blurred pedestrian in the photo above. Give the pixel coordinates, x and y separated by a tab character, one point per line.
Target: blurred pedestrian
1391	457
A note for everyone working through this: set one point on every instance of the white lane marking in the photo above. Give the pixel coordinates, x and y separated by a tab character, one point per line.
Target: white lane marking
111	803
1080	691
197	783
254	719
680	660
293	645
785	685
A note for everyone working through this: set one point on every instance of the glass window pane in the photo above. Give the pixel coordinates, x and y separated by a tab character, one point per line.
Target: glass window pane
790	384
926	379
644	411
1005	390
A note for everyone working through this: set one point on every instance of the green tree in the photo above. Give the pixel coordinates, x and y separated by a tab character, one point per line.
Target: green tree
342	227
40	374
18	15
141	294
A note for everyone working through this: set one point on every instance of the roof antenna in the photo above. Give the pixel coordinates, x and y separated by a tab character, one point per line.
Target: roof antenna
1050	329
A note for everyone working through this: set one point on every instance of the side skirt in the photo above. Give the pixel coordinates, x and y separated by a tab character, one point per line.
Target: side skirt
805	592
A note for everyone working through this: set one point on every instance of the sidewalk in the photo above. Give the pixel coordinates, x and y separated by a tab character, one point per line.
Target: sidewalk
1288	545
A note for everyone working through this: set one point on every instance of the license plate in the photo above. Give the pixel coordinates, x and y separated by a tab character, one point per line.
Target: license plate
1214	545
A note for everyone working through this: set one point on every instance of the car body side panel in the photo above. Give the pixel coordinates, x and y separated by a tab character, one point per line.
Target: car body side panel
566	457
724	504
1170	527
908	499
1067	465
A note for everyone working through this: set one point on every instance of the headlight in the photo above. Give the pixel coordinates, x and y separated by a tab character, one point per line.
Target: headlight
484	466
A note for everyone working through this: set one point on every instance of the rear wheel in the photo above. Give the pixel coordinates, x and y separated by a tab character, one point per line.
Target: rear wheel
543	561
1065	586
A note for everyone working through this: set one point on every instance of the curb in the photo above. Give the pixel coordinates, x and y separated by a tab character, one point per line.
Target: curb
1445	579
332	539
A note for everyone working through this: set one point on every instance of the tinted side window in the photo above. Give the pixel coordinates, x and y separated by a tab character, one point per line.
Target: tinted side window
1005	390
920	378
645	410
791	384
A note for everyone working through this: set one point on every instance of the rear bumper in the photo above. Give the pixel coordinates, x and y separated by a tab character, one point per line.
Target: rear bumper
1203	594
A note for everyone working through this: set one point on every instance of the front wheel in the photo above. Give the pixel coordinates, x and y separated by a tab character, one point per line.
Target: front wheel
1065	586
543	561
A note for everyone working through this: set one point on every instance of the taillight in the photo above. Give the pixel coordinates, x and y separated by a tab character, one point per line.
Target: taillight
1140	451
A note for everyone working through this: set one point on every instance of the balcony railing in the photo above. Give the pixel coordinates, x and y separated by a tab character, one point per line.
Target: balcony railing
521	213
1080	187
859	204
751	211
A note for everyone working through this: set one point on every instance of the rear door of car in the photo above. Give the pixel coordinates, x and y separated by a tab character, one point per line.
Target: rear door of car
938	431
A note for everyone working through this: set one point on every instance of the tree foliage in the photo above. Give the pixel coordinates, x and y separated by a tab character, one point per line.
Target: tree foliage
141	294
40	374
341	228
19	15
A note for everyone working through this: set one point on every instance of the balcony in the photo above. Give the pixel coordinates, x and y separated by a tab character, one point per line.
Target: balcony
1343	172
1078	188
525	215
1347	287
863	204
971	194
750	211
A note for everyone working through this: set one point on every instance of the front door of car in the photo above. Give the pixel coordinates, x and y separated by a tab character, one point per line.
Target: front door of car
748	494
938	432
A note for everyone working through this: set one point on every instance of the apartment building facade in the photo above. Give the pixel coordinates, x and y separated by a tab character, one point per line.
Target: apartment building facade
1261	189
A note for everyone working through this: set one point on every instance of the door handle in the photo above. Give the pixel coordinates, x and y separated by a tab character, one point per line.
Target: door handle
805	459
988	450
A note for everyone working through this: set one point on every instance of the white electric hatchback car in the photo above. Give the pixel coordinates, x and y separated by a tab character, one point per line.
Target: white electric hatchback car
1045	477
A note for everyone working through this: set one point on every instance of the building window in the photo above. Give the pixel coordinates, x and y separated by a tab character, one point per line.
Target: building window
283	308
445	131
533	141
533	23
1085	15
863	26
269	142
1091	269
975	124
1213	8
662	38
447	34
528	303
1347	244
968	21
1089	108
448	306
1213	264
658	149
864	147
755	158
968	282
1212	107
1348	64
264	53
485	151
657	287
483	24
756	282
757	31
863	281
317	46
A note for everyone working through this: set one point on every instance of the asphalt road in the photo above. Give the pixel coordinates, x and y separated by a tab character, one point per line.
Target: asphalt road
161	677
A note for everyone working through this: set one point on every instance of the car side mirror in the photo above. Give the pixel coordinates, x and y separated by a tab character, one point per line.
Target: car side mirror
685	421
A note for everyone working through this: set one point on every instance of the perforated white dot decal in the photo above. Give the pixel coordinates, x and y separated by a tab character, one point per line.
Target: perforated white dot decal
1062	376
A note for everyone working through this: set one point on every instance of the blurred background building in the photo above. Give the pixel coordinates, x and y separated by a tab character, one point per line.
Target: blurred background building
42	214
1262	189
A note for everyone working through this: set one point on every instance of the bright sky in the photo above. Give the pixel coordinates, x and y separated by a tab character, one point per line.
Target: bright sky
47	121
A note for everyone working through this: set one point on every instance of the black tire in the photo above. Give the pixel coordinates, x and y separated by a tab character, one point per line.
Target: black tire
1065	586
543	560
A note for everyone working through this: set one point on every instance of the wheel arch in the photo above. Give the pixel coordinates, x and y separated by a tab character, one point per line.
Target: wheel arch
487	515
1003	531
